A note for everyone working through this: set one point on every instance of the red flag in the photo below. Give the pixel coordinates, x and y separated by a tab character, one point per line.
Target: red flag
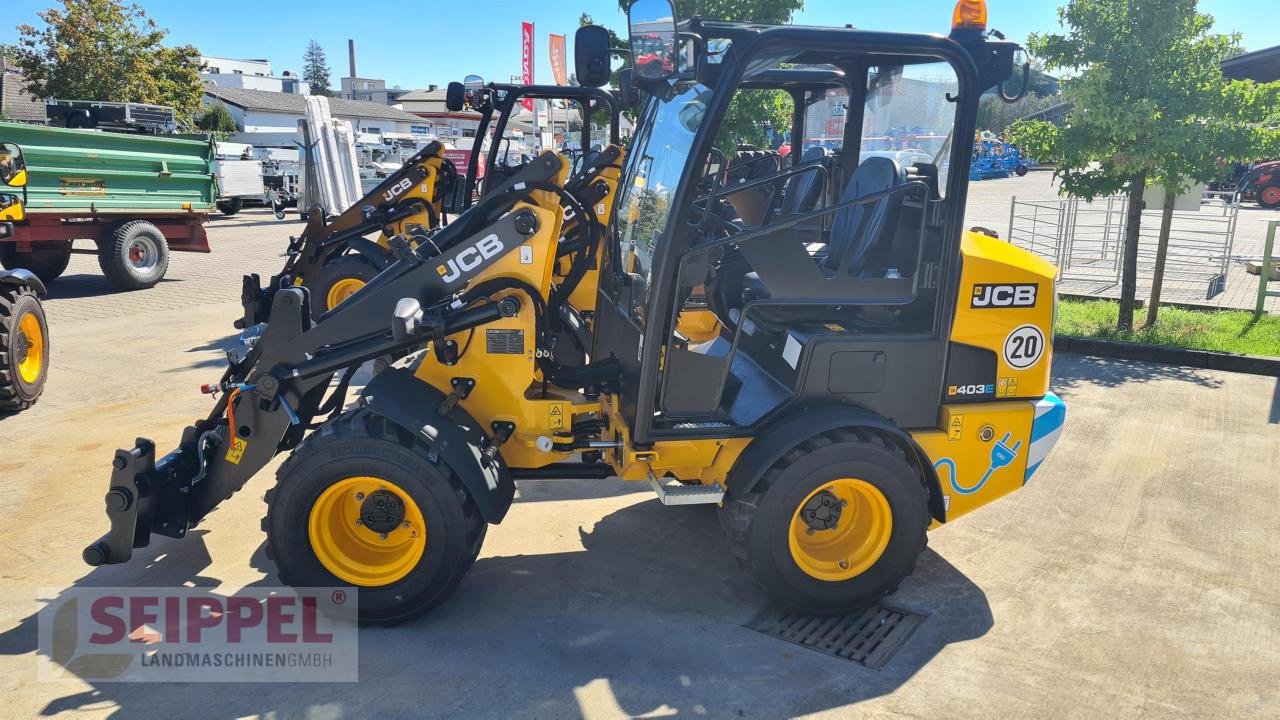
526	60
556	46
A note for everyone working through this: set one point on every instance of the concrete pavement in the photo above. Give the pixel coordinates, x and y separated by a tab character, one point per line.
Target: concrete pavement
1134	577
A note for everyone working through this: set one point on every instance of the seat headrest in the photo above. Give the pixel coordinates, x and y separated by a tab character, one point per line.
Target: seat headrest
873	175
815	153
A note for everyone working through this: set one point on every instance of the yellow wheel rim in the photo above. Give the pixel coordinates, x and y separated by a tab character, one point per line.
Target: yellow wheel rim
30	367
840	530
341	290
367	531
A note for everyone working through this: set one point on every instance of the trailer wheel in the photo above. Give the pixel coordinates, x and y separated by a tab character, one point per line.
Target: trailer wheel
24	348
360	502
338	280
833	526
230	206
80	119
47	260
134	255
1269	196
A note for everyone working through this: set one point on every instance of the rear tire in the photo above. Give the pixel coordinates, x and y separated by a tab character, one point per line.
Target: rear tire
24	348
1269	196
337	280
361	445
80	119
134	255
47	260
857	570
230	206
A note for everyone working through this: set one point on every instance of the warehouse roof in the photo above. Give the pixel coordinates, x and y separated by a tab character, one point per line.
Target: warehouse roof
297	104
1260	65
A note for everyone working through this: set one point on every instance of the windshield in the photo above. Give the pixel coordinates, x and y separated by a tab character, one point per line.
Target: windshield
909	116
655	161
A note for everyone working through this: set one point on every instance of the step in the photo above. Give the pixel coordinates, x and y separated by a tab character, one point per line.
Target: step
686	494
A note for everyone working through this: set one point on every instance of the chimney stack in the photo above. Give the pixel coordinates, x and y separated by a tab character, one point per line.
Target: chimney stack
351	54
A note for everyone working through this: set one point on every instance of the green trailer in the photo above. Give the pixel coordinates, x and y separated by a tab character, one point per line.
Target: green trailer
136	197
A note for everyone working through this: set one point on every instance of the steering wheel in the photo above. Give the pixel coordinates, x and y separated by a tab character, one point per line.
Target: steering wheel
722	220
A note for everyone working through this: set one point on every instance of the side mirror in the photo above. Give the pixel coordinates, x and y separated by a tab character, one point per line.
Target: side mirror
591	56
455	97
628	96
654	49
473	83
13	169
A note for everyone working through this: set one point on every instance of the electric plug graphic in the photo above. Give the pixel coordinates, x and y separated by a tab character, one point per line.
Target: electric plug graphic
1001	455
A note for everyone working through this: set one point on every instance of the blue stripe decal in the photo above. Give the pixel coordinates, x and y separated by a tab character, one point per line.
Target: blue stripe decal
1030	471
1051	419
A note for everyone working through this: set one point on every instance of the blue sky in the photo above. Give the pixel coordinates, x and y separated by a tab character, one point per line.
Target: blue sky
416	44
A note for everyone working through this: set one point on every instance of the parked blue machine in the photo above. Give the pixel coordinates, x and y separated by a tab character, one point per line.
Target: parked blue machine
994	159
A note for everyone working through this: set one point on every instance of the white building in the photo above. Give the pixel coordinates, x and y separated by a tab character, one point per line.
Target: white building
251	75
270	119
370	90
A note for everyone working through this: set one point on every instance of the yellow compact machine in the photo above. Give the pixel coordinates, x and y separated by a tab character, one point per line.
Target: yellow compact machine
818	347
333	256
24	334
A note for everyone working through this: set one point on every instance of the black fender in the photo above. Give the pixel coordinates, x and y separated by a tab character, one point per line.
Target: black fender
23	278
794	428
456	437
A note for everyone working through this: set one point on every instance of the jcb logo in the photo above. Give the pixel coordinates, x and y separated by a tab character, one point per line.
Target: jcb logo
470	258
397	190
1004	296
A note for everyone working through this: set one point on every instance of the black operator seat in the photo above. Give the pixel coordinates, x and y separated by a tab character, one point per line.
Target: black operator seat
857	230
805	189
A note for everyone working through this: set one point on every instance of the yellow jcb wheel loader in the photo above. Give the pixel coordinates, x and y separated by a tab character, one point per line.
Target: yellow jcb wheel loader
875	370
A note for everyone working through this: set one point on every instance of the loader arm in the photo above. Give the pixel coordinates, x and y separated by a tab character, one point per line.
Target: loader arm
411	197
277	386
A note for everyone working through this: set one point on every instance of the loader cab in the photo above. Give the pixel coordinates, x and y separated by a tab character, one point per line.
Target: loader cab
846	295
505	111
594	110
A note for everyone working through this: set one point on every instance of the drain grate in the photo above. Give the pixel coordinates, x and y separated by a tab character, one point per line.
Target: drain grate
870	637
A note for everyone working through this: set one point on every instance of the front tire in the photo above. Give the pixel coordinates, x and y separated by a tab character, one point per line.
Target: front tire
338	280
359	503
134	255
834	525
24	348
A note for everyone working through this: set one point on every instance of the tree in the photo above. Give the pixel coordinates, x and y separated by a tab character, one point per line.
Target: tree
216	118
315	69
108	51
1150	106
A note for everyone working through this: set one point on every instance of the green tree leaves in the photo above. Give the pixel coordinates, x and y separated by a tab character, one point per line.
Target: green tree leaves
1150	104
108	51
216	118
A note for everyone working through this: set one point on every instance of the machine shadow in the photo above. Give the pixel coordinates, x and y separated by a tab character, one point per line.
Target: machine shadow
81	285
1071	371
647	617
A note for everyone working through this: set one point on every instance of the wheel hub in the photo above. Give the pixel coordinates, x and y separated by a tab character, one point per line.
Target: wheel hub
382	511
822	512
22	347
